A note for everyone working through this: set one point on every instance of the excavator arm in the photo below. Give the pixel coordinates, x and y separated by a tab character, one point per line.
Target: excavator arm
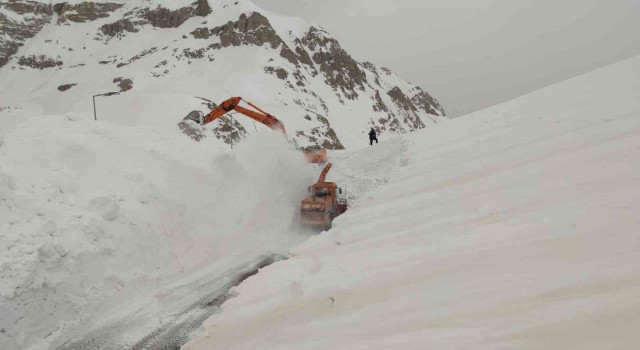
314	155
232	104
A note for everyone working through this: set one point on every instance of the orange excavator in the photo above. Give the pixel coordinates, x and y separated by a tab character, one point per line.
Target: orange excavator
314	154
322	205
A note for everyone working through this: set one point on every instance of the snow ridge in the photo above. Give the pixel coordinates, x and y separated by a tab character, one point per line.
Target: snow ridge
511	228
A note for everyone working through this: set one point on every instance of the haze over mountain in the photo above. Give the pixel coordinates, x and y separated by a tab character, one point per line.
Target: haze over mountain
475	54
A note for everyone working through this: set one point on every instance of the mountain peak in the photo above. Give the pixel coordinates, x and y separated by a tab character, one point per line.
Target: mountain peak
200	53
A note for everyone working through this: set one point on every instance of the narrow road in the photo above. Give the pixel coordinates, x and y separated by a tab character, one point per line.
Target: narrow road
140	332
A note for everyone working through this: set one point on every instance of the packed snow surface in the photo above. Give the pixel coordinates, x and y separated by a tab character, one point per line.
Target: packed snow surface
512	228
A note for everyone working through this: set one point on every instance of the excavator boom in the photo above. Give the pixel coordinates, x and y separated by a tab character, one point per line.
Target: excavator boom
314	154
266	119
232	104
222	109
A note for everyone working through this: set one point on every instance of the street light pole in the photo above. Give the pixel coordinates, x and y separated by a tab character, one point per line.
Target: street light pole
95	116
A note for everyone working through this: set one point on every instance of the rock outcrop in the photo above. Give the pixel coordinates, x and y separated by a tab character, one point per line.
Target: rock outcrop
254	29
158	17
16	32
65	87
118	28
203	9
340	70
123	83
164	18
426	102
84	11
39	62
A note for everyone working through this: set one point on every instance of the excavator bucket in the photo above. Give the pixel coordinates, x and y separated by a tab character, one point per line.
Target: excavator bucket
191	125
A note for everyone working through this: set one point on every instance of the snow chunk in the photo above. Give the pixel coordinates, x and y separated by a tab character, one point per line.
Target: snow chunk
106	207
6	185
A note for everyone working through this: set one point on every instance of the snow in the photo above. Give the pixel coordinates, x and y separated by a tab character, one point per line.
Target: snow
515	227
11	16
111	229
99	219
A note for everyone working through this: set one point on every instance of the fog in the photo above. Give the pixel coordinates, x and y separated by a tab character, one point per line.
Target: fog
472	54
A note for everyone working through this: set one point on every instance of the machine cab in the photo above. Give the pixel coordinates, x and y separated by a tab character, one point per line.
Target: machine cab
320	191
324	190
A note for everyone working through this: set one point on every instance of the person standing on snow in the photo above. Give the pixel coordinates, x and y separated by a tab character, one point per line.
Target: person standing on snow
372	137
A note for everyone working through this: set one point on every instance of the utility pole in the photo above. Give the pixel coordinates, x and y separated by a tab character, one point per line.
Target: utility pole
95	116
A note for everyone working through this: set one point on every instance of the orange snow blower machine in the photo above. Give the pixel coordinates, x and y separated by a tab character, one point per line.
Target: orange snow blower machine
323	205
314	154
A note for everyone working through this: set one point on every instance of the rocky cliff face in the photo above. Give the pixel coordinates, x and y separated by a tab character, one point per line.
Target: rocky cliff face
83	12
20	21
300	71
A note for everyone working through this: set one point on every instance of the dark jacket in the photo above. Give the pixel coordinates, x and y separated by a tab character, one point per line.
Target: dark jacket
372	133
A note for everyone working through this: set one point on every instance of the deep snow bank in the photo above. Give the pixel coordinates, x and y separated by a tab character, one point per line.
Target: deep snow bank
93	213
516	227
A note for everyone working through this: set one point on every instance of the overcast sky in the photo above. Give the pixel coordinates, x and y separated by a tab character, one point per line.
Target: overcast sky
472	54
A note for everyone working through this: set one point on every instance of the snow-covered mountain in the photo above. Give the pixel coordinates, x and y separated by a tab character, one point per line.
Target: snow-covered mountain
173	57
